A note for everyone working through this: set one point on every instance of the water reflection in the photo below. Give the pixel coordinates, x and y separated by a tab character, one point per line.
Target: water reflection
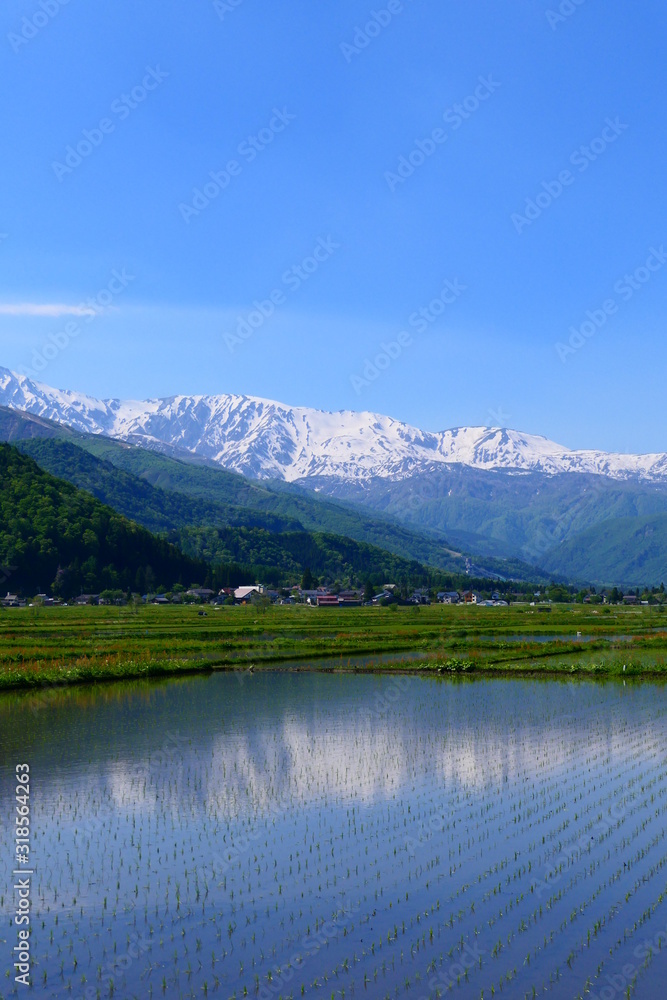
234	819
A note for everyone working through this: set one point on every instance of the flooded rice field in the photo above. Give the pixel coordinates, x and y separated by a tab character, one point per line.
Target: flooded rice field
286	835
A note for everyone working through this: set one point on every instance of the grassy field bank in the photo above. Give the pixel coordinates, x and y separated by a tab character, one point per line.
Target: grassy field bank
45	646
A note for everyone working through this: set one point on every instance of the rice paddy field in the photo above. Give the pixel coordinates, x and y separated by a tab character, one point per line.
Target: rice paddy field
342	835
428	814
44	646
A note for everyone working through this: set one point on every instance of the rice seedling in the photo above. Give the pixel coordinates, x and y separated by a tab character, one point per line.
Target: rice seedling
312	834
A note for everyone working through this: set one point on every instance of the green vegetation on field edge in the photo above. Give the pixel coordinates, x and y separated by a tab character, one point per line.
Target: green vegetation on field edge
45	647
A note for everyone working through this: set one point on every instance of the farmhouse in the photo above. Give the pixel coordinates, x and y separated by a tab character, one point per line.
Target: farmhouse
247	595
202	593
87	599
12	601
449	597
327	601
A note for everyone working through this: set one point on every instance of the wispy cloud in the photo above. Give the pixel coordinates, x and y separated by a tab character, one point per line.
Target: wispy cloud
51	309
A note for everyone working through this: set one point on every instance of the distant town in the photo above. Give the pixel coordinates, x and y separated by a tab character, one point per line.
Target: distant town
325	597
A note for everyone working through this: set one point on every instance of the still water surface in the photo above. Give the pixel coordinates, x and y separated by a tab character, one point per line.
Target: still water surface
323	835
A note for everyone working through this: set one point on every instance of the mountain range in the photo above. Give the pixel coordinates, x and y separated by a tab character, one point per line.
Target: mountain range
275	530
263	439
489	499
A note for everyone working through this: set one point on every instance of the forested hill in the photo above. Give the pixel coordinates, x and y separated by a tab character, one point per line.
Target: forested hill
55	537
170	496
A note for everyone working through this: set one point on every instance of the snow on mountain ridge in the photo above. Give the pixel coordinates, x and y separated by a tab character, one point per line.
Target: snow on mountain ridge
261	438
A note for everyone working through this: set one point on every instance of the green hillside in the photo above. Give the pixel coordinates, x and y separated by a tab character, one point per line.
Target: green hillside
507	514
188	492
167	494
203	532
282	558
59	538
171	494
155	508
629	552
271	502
54	536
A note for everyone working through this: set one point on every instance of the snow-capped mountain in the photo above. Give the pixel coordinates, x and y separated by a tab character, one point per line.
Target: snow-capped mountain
264	439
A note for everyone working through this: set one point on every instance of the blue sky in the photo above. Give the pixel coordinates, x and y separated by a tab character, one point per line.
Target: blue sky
306	112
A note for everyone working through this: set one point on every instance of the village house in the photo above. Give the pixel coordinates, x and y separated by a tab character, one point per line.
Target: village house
449	597
247	595
346	599
350	599
46	601
201	593
310	596
225	594
87	599
12	601
385	595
